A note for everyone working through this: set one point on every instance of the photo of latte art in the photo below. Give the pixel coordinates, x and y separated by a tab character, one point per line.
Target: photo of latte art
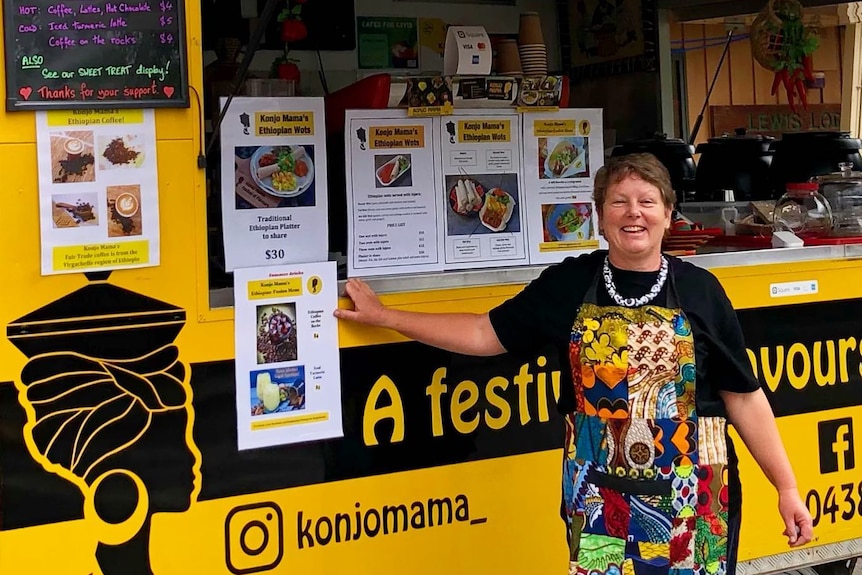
124	211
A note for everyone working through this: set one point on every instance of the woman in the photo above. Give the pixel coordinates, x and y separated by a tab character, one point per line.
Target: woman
658	363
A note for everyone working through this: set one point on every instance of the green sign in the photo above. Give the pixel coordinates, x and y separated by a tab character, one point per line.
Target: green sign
386	43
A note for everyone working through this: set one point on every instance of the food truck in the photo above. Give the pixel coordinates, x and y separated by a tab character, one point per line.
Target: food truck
141	180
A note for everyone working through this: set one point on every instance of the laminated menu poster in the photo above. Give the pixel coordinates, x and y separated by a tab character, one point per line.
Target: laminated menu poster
482	217
288	378
98	190
392	193
562	152
274	188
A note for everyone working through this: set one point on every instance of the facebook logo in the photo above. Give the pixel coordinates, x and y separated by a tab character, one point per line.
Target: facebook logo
837	451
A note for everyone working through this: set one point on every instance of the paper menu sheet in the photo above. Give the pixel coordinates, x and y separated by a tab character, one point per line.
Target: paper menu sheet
481	190
274	194
98	190
392	200
288	379
562	152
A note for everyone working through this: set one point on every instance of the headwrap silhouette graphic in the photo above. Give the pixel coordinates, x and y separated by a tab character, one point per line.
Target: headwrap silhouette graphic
78	409
108	408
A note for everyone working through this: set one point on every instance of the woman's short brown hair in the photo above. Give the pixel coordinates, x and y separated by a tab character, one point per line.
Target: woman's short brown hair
644	165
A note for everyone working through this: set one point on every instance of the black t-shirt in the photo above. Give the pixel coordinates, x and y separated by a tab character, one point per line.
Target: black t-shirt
544	312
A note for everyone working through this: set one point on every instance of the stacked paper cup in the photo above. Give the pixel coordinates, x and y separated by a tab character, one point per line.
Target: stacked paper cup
531	45
508	59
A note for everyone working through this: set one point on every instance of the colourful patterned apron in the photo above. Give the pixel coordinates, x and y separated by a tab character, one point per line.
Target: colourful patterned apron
644	478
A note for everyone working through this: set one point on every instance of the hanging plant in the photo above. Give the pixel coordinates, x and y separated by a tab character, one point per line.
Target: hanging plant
293	29
285	68
782	43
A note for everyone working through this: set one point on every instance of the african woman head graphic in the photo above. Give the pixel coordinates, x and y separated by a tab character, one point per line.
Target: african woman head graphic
108	408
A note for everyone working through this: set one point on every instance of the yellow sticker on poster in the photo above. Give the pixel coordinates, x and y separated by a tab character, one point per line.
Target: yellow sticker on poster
96	256
554	127
484	131
392	137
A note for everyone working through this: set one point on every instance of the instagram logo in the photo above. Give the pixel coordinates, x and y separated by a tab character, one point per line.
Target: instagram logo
253	538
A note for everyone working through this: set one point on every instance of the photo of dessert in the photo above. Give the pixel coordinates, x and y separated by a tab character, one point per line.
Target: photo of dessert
124	211
74	210
72	157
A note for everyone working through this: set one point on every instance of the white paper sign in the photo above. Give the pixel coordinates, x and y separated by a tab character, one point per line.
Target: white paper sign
288	378
98	190
274	188
562	152
482	208
468	51
392	194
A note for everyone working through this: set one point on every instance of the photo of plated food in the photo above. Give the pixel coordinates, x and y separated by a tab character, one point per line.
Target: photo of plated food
528	98
561	158
276	333
466	197
274	176
283	171
540	91
279	390
497	210
482	204
393	171
568	222
72	158
124	211
74	210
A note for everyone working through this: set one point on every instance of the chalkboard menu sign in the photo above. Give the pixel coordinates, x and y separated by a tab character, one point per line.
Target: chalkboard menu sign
67	54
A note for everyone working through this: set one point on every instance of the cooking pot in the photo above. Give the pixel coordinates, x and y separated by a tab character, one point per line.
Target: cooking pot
676	155
738	162
801	156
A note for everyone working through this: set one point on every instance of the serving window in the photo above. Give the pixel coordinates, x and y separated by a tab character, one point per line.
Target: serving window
492	193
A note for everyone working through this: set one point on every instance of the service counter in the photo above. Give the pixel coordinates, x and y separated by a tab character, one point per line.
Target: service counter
720	260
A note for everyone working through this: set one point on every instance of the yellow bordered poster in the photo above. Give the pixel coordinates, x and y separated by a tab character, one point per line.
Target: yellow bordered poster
562	152
288	381
98	190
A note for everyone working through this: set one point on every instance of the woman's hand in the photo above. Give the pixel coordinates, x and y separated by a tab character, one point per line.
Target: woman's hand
797	520
367	307
464	333
752	417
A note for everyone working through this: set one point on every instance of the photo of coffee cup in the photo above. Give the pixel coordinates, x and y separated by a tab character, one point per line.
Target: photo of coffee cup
73	147
127	205
72	158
